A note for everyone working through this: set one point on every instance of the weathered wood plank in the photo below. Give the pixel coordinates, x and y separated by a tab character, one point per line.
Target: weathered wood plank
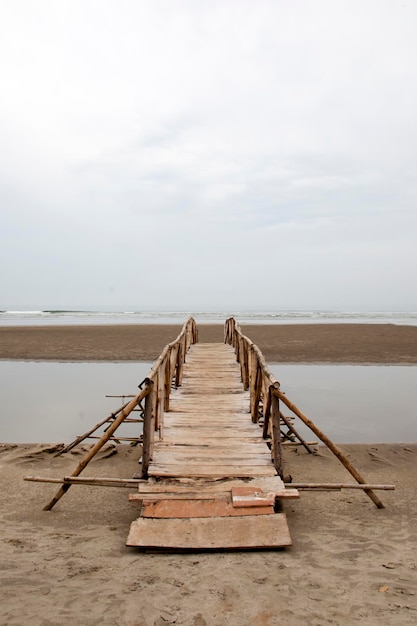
201	470
251	497
211	431
220	507
189	495
229	533
181	459
186	437
285	494
219	446
209	485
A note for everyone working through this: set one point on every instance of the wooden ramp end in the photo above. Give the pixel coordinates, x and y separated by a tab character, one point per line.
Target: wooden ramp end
212	533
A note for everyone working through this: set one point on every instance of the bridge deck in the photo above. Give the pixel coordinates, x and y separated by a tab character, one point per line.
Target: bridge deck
208	431
212	483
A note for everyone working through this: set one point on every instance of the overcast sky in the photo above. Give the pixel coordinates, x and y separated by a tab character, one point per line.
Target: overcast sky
190	154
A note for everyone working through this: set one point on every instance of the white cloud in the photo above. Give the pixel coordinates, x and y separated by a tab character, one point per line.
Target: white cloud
226	141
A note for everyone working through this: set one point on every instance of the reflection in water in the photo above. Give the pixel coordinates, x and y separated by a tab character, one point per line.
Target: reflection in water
354	403
54	402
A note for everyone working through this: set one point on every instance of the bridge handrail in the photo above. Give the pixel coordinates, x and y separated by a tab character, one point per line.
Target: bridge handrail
256	375
258	378
166	372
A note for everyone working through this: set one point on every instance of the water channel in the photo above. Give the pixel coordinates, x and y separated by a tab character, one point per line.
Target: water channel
53	402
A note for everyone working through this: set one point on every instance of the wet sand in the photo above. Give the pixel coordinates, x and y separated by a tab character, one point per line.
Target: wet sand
306	343
349	563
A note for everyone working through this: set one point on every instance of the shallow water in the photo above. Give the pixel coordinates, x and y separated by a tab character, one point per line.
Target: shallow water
54	402
51	402
354	403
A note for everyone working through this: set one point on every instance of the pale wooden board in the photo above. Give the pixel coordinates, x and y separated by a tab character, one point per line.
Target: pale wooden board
187	437
201	470
248	450
189	495
216	446
171	432
220	507
165	458
203	456
285	494
214	533
205	420
240	451
209	485
251	497
288	494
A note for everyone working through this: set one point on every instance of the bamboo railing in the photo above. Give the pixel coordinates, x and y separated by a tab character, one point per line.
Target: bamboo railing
165	374
257	377
154	392
265	396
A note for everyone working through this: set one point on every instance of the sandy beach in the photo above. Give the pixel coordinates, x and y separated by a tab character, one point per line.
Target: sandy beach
349	563
307	343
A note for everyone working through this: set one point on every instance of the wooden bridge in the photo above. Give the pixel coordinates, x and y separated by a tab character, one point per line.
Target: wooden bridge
211	475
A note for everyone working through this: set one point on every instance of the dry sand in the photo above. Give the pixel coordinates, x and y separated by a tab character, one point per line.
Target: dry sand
350	563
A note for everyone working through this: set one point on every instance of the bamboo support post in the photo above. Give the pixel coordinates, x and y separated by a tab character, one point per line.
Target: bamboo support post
148	430
244	366
178	373
257	395
276	434
267	415
167	380
160	394
332	447
255	385
106	436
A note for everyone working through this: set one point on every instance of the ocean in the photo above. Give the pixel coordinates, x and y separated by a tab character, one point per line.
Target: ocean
12	317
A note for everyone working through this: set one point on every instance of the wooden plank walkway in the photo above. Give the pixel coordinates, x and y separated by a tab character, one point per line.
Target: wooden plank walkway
212	483
208	431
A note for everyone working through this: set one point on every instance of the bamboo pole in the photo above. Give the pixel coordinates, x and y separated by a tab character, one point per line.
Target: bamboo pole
298	443
81	438
257	394
167	380
276	434
160	391
332	447
148	429
292	429
255	384
267	415
106	436
84	480
118	439
338	486
178	373
135	482
245	366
